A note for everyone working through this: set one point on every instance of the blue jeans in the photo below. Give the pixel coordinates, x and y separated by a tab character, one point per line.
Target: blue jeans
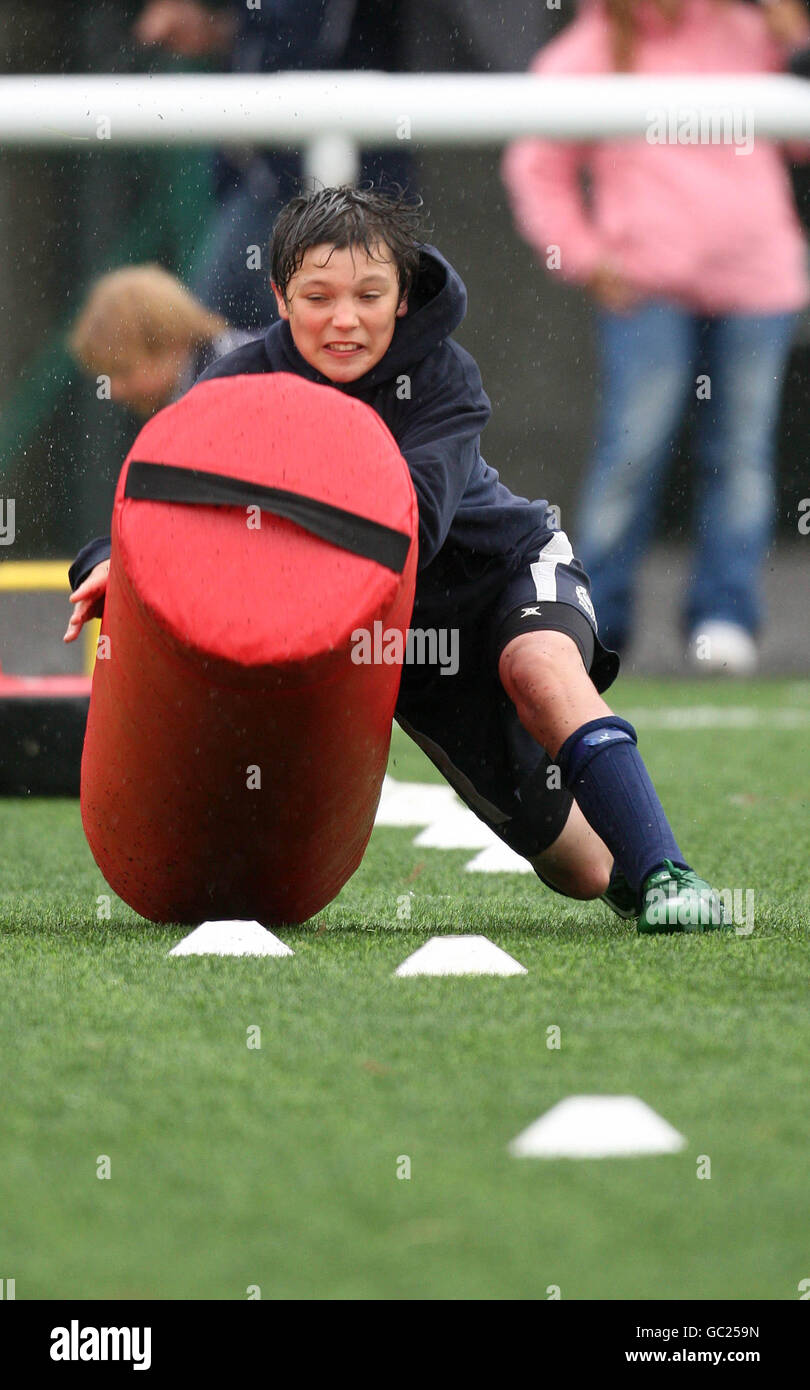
653	361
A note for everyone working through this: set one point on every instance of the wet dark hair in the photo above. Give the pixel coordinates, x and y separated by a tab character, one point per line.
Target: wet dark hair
344	217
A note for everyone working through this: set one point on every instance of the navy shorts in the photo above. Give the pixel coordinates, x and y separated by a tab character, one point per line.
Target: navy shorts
467	724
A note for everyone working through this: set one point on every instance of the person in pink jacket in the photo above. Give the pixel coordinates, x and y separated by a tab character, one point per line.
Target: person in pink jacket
697	261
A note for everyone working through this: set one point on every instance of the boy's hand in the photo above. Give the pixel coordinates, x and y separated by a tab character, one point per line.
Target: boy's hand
89	600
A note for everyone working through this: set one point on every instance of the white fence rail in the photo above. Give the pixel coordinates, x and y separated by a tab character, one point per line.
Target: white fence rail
382	109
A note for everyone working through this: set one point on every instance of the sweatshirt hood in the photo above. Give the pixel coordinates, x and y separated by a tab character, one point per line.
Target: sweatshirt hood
437	303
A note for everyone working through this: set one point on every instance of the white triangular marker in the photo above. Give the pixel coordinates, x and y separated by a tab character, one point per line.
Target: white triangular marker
597	1127
413	803
499	859
458	829
460	955
448	824
231	939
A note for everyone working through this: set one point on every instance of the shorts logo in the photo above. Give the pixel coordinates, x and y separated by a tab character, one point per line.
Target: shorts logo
585	601
527	612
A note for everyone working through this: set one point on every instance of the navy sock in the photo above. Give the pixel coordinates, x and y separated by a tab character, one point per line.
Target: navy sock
604	771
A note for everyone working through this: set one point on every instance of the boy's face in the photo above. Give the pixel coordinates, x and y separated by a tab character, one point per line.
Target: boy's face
342	306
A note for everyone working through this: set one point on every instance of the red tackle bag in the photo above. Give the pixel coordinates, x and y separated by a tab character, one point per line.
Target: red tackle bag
235	745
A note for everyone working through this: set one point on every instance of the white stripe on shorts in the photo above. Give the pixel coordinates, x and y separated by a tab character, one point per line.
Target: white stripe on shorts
544	570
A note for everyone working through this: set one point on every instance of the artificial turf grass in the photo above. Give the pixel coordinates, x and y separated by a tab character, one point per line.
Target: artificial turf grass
209	1141
277	1167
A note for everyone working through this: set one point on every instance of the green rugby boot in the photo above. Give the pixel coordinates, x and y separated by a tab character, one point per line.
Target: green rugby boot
620	897
677	900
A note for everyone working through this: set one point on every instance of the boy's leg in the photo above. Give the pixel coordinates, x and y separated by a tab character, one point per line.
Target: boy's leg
468	727
544	675
553	667
578	864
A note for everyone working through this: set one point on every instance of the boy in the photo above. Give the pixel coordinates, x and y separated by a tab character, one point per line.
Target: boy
522	733
140	325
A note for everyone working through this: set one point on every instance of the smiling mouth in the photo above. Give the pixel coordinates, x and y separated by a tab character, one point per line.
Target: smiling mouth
345	349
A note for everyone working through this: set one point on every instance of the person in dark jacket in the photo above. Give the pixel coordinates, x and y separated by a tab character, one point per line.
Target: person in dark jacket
520	730
252	184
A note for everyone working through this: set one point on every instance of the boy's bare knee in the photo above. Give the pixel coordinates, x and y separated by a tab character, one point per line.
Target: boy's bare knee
584	881
533	666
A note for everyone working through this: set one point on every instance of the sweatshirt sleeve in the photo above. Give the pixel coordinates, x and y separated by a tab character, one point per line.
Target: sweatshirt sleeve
441	444
542	177
88	557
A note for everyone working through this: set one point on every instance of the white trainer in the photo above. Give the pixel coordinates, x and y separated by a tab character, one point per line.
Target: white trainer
719	648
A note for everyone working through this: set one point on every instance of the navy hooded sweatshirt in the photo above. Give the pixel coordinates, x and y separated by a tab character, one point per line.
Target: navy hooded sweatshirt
473	532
